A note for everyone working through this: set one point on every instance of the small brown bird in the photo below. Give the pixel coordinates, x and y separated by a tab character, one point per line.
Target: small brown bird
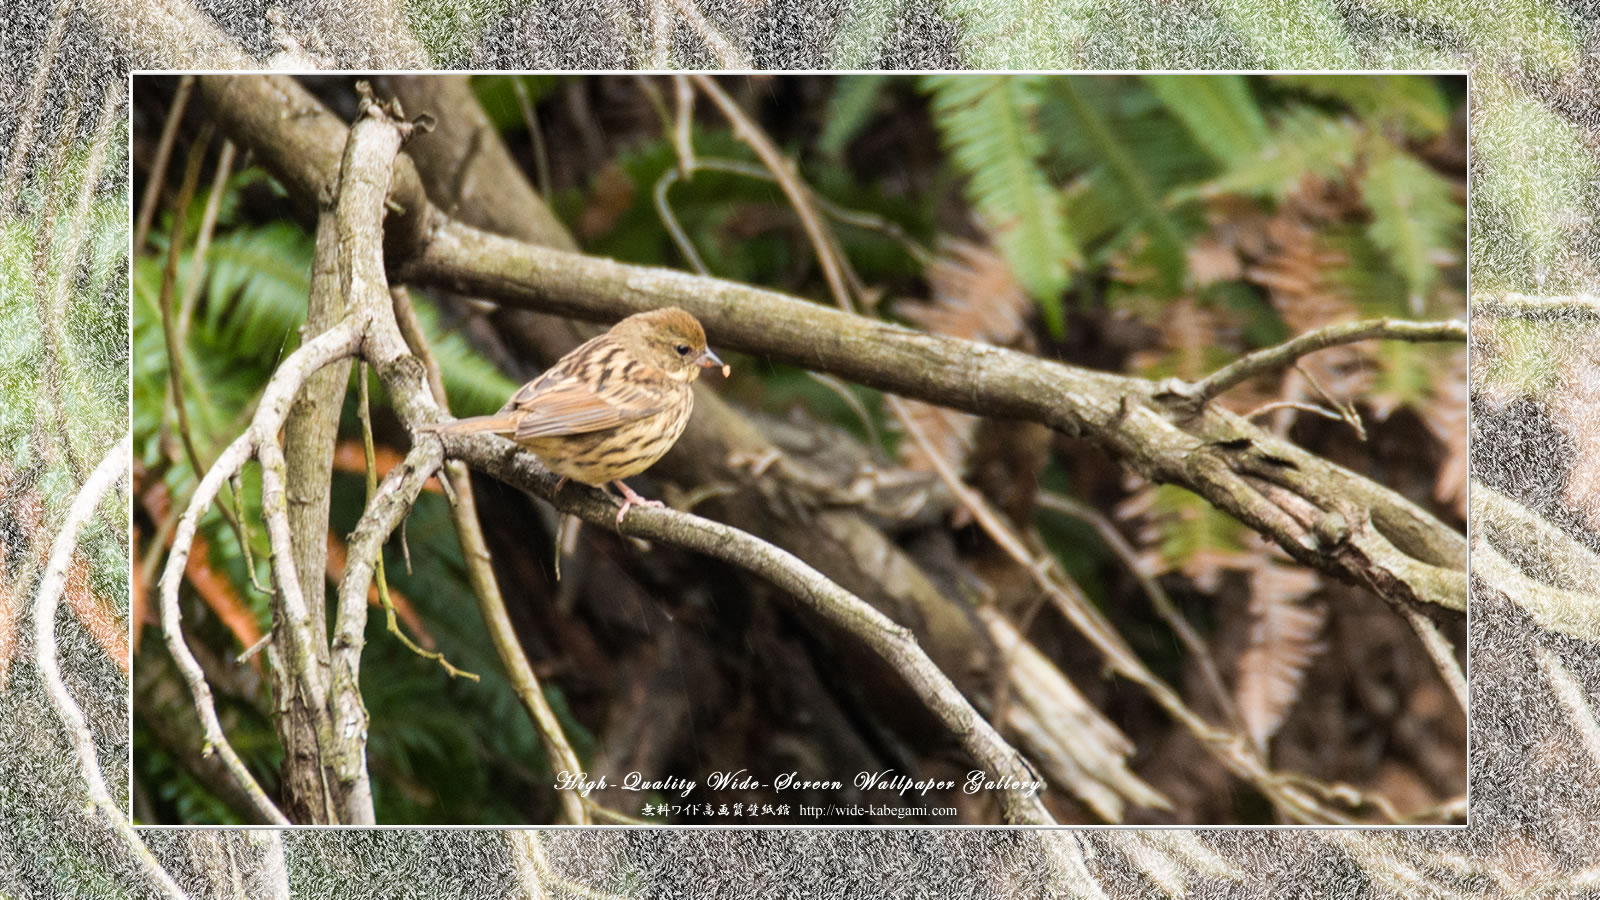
610	408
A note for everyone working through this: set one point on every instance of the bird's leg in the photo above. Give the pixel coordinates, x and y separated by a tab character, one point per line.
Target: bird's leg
631	499
560	483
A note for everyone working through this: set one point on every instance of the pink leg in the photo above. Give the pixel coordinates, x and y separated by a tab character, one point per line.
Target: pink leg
631	499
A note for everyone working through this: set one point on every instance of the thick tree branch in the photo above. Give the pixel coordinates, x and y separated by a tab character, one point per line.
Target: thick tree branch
309	434
1393	545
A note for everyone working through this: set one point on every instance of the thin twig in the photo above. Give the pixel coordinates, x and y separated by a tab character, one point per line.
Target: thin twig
1274	358
1347	409
541	158
334	344
169	324
202	241
158	168
799	195
1440	651
669	220
364	413
1301	405
1152	588
854	217
480	575
53	582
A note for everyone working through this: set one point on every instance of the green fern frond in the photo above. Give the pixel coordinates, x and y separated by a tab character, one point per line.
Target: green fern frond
987	123
474	385
256	289
1413	103
1305	142
1407	372
1118	161
1415	218
1218	110
1191	531
1364	275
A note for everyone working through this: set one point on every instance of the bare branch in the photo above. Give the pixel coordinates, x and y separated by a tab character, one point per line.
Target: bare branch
273	408
480	574
110	470
1393	545
1273	358
158	166
893	643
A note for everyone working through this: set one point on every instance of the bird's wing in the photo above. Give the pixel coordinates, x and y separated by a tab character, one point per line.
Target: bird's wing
559	403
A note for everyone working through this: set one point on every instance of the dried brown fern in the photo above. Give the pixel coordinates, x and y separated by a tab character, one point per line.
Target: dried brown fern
1284	639
976	296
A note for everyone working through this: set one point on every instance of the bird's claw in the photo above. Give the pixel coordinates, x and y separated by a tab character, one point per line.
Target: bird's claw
631	502
630	499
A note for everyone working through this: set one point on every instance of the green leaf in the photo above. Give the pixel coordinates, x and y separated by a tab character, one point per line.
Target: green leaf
1413	103
1305	142
1218	110
1415	218
987	123
1118	160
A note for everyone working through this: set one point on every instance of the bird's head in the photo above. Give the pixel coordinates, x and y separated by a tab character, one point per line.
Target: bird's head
669	339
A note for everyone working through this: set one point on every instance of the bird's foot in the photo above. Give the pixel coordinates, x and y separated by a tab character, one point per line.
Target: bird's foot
631	499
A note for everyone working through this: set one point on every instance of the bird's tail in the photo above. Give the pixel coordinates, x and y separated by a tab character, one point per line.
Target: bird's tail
496	424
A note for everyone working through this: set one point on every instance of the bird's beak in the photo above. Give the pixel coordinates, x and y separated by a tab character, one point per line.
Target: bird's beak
709	359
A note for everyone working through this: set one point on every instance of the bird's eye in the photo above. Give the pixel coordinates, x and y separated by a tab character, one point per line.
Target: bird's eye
683	349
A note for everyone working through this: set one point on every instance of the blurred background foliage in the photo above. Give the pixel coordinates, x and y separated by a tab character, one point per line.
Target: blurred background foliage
63	405
1155	225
